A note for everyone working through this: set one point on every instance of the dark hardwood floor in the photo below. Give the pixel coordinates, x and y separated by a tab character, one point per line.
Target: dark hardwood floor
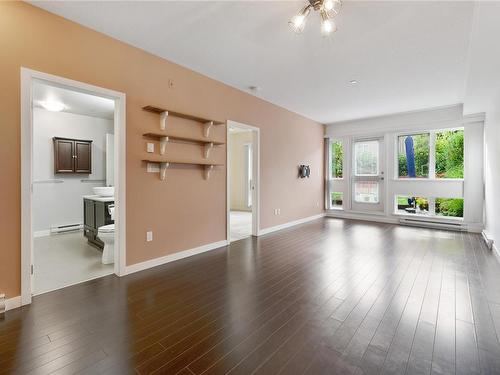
329	297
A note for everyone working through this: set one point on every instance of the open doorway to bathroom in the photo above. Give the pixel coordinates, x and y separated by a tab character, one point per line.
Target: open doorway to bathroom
243	166
72	201
61	156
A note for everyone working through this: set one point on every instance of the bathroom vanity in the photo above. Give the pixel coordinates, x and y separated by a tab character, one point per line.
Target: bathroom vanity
95	215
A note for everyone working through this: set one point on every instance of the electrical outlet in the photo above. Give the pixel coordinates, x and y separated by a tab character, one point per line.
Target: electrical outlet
277	211
171	84
149	236
151	147
153	168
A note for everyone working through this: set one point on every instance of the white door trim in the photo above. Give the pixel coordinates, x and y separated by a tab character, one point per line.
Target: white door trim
27	77
256	178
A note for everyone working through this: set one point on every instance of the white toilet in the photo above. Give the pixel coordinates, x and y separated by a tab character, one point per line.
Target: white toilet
107	235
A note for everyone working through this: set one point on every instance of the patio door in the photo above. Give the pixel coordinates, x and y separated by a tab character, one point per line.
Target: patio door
368	184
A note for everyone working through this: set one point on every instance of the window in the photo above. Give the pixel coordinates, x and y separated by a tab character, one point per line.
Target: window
366	192
451	207
413	156
436	154
366	158
337	199
412	205
450	154
337	166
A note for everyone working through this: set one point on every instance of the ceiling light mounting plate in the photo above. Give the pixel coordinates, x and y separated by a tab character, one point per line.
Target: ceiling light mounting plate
316	4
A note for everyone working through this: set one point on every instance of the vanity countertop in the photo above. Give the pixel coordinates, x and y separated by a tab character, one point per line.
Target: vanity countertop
98	198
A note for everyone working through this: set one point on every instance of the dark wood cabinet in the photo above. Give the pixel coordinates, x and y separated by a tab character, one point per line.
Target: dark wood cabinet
72	155
95	215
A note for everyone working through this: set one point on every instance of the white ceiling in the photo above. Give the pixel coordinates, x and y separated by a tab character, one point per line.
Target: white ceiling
74	101
406	55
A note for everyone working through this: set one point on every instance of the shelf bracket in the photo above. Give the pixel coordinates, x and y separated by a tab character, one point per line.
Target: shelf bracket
163	120
208	147
208	169
163	145
163	171
206	128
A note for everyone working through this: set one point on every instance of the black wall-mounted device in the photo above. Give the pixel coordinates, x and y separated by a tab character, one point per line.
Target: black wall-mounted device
304	171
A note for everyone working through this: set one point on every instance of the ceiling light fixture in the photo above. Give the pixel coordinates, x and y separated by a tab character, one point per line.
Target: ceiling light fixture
52	105
353	82
327	8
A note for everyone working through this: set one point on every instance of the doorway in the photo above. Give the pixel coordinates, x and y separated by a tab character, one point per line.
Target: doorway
368	185
68	164
242	181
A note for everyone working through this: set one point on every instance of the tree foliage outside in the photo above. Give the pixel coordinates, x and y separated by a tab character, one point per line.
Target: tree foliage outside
450	154
337	159
450	207
337	198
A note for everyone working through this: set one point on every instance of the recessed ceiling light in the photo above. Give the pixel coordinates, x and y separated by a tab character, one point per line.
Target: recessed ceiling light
353	82
52	105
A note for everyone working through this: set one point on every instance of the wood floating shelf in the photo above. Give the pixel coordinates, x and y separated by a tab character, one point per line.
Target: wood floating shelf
165	138
165	163
165	113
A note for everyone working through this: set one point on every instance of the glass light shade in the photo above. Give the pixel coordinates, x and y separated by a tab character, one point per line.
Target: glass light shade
327	25
332	6
298	22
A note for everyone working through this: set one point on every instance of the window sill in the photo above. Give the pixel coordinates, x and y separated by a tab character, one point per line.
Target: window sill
336	209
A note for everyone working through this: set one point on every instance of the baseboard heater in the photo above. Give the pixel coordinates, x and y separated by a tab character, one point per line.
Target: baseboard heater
65	228
433	224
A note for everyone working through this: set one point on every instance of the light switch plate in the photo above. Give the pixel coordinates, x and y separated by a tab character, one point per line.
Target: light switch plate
151	147
149	236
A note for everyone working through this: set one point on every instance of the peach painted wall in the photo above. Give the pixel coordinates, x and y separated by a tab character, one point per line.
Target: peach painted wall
185	211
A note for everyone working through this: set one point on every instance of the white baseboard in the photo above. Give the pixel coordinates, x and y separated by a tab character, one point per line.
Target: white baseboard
12	303
41	233
474	227
173	257
289	224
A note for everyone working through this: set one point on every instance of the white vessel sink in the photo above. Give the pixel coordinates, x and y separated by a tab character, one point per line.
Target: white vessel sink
104	191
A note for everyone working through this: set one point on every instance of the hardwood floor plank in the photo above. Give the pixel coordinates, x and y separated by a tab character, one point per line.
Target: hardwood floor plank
328	297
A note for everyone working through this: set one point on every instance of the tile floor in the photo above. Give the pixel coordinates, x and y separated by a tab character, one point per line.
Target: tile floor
65	259
241	225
